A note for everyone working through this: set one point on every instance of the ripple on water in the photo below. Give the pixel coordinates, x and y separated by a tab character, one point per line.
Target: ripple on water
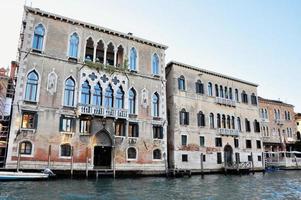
279	185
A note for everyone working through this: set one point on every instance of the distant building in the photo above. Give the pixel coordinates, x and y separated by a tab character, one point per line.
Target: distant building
7	82
87	96
298	124
213	119
278	126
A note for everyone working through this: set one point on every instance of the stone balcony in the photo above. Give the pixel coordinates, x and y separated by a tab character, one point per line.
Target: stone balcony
103	111
224	101
228	132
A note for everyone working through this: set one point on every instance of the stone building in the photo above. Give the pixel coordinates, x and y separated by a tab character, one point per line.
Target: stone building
212	117
298	123
87	95
277	124
7	82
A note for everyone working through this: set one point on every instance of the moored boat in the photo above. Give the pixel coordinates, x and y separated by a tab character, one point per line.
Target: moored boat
11	176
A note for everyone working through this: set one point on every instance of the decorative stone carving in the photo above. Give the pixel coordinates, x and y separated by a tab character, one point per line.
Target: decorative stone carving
92	76
115	80
52	82
104	78
144	98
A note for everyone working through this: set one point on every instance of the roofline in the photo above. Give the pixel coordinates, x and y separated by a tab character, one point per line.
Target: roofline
274	101
37	11
172	62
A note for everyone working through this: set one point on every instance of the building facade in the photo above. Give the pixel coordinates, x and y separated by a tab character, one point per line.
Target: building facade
87	96
213	119
278	125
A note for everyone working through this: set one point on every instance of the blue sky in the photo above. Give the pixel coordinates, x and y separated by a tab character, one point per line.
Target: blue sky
255	40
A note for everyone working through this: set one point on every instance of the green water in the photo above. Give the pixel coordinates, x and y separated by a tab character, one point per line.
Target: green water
277	185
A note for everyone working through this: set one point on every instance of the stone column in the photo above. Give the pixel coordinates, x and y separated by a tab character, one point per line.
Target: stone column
94	52
105	56
115	57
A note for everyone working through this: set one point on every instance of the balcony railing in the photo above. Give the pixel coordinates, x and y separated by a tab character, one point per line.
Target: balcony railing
103	111
227	102
228	132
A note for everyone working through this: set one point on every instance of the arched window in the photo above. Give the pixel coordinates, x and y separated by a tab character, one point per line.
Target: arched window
119	102
97	95
109	97
228	122
132	101
31	86
236	95
275	114
298	136
285	115
288	116
211	120
155	103
38	37
216	90
244	97
253	99
85	93
218	120
25	148
181	82
155	64
133	59
184	117
223	121
226	92
132	153
201	119
266	113
65	150
199	87
233	122
230	94
210	89
238	124
73	45
221	91
279	115
69	92
256	126
157	154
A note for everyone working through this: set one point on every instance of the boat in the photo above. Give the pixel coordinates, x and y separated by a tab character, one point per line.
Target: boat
14	176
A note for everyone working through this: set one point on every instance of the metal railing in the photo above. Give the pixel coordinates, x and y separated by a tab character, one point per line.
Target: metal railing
224	101
103	111
229	132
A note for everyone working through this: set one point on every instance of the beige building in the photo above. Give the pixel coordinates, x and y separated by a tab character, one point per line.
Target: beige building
87	95
298	123
278	126
211	115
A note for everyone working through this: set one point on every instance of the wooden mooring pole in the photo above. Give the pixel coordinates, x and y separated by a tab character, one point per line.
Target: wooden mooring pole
202	165
252	161
87	161
71	170
49	156
263	163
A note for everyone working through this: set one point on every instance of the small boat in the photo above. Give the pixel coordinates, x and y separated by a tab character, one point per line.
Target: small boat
14	176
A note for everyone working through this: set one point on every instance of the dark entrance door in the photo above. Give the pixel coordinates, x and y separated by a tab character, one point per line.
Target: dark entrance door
102	157
228	151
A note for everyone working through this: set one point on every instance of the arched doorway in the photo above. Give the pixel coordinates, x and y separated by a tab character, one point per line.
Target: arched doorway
228	154
103	150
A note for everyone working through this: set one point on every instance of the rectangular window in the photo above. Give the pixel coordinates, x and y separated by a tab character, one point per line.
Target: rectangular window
133	130
219	158
157	132
248	144
204	158
184	158
259	158
237	157
119	128
249	158
67	124
218	142
85	126
202	141
29	120
184	140
236	143
258	144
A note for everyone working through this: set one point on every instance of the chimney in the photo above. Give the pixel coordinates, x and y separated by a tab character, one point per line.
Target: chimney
13	69
131	34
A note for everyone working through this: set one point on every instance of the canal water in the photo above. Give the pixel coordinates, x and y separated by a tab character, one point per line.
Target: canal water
276	185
